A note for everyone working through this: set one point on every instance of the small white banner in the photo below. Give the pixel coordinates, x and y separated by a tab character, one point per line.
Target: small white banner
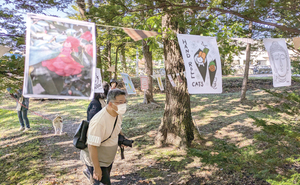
160	84
246	40
280	61
144	83
171	81
128	83
297	42
202	63
98	82
3	50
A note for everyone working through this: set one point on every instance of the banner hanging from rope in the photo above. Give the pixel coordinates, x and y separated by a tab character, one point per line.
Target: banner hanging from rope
297	42
202	63
144	83
139	34
246	40
98	82
280	61
128	83
160	84
60	58
3	50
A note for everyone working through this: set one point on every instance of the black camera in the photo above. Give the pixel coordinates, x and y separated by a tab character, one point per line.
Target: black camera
124	141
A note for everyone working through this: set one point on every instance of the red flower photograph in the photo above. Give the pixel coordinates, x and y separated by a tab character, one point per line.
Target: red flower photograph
60	58
87	36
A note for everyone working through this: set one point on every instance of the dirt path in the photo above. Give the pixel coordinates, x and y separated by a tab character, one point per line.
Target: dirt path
64	167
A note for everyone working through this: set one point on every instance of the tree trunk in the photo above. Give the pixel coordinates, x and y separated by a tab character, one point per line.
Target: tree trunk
148	95
248	56
176	127
81	6
108	47
123	59
99	62
116	61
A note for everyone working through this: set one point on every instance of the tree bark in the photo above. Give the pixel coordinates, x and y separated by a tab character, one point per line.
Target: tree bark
108	47
123	58
81	6
116	61
99	62
248	56
176	127
148	96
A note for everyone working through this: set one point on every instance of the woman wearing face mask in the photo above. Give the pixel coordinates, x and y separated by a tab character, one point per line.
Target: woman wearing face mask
102	138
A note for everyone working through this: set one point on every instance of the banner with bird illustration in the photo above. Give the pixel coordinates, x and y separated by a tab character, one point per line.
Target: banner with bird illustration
202	63
60	58
128	83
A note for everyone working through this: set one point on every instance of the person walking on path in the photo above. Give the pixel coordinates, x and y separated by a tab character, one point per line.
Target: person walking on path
102	138
22	108
98	102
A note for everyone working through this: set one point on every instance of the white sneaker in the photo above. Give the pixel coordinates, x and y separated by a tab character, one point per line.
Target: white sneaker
27	129
22	128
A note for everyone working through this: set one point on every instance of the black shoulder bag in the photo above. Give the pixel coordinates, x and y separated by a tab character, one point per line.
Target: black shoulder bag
79	139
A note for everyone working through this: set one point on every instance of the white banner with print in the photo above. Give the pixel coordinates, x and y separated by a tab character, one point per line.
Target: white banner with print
160	84
280	61
128	83
60	58
202	63
98	82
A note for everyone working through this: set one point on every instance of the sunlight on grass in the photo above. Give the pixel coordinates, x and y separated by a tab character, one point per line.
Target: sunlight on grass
232	146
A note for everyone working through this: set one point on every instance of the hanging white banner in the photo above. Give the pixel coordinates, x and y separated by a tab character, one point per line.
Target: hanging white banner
171	80
128	83
160	84
3	50
144	83
202	63
98	82
296	42
60	58
280	61
246	40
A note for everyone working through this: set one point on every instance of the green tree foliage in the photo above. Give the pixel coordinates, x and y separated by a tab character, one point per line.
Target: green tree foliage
13	27
12	34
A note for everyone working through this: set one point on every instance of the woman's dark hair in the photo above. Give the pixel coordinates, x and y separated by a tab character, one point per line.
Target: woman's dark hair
113	81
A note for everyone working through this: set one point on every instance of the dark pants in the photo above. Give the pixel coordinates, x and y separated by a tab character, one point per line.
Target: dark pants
105	175
23	115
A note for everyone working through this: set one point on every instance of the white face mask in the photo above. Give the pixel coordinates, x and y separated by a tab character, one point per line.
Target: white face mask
121	108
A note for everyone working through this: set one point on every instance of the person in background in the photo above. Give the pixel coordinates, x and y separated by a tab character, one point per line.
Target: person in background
102	138
98	102
113	84
22	108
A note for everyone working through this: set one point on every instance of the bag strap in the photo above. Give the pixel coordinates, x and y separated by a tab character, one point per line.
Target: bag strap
112	130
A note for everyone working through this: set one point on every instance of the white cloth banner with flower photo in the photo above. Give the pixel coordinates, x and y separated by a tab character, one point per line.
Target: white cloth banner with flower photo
202	63
60	58
280	61
98	82
128	83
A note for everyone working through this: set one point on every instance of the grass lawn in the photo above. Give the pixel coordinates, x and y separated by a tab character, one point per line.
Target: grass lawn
231	148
